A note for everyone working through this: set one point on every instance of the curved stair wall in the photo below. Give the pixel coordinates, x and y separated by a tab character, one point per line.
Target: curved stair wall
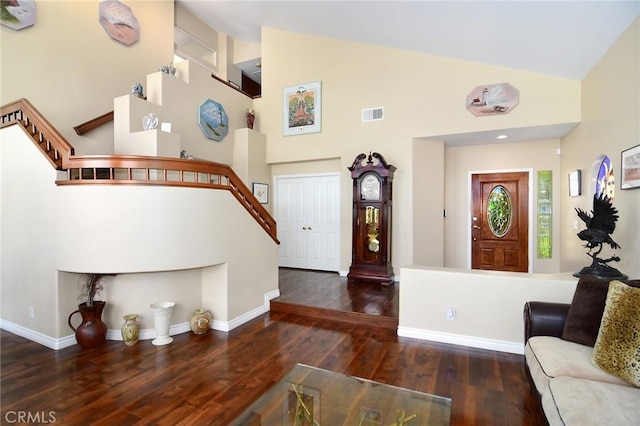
165	228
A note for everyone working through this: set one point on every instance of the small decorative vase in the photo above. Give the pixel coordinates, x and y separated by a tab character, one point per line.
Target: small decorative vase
200	321
130	330
92	331
162	320
250	120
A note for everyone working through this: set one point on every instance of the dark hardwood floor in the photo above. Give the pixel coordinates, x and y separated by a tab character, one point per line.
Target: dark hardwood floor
327	295
211	378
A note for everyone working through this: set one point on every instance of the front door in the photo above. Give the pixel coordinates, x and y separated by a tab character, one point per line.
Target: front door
500	221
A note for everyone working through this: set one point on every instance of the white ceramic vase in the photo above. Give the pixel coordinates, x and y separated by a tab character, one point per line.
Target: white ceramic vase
162	320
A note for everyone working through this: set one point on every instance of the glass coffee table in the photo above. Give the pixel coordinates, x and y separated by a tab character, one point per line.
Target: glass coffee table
309	396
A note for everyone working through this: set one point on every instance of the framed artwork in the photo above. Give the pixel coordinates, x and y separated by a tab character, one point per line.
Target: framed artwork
630	165
302	109
261	192
575	183
605	178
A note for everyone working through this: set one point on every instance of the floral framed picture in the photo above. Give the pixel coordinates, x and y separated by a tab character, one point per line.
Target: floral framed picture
261	192
630	165
302	109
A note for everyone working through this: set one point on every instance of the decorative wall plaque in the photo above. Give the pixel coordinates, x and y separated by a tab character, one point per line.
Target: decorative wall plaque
213	120
492	99
119	22
18	14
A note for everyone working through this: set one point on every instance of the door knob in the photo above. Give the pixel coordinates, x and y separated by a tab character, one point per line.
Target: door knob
304	228
476	227
310	228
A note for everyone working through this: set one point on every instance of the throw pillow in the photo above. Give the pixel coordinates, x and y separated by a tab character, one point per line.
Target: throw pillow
585	312
617	348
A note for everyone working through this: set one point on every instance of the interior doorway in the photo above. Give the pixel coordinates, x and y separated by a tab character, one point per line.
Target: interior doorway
307	210
499	225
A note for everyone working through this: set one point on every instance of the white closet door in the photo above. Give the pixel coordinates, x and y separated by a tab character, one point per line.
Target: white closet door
291	202
308	217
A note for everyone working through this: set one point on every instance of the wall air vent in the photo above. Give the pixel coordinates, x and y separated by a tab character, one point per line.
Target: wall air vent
372	114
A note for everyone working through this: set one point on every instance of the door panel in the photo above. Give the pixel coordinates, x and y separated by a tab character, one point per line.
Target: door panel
500	221
308	208
324	224
290	220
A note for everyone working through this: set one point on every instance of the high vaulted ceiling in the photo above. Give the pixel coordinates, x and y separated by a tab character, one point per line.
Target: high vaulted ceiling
559	38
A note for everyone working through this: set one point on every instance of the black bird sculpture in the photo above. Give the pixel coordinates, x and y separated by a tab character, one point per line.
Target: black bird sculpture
600	225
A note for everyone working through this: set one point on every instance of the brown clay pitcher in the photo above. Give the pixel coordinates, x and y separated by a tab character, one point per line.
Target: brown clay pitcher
92	331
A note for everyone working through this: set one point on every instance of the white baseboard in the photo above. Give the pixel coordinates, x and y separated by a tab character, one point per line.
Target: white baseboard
145	334
462	340
36	336
271	295
227	326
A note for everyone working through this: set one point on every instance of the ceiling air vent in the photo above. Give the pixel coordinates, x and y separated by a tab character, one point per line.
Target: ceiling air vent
372	114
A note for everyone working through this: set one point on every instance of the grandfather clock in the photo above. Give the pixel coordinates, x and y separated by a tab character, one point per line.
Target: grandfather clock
371	243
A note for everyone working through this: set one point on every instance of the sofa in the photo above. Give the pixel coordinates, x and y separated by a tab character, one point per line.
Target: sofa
584	357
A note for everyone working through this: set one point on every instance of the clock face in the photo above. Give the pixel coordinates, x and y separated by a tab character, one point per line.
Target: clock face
370	188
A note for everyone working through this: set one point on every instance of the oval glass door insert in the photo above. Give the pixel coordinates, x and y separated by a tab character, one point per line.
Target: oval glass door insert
499	211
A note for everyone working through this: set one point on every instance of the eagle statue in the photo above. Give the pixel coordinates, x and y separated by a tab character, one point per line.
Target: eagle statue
600	225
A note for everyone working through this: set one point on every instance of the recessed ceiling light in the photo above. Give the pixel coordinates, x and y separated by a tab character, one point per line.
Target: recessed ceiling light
502	137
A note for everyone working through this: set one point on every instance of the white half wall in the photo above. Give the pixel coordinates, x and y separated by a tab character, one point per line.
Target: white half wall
197	247
488	305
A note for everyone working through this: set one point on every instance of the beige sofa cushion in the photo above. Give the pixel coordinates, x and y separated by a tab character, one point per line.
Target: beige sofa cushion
549	357
577	402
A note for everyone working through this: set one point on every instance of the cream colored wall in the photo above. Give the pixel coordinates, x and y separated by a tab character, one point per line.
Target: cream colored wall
233	72
144	235
73	73
428	203
28	273
180	99
249	160
307	167
143	229
422	96
90	70
71	70
244	51
133	293
488	304
610	124
130	231
189	23
461	161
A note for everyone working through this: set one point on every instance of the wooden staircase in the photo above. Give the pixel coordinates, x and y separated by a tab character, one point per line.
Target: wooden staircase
130	169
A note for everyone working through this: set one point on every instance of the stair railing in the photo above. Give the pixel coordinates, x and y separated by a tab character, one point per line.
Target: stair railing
54	146
130	169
